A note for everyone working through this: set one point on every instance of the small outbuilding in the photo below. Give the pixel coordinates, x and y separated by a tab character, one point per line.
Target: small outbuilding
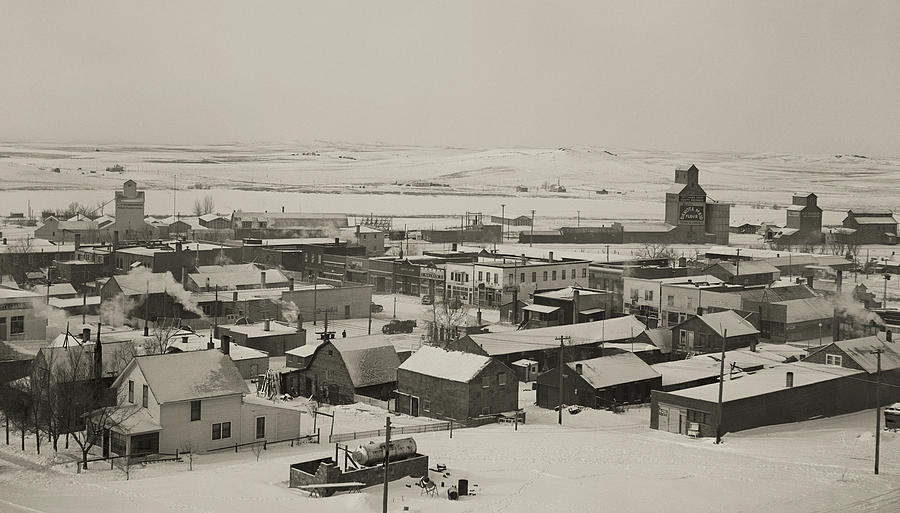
600	382
704	333
442	384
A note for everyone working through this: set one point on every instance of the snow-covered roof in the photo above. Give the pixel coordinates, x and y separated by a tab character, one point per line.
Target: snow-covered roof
62	289
370	360
449	365
189	376
566	293
541	308
609	330
749	267
706	366
304	351
861	351
258	330
616	369
524	362
730	322
73	302
767	381
808	309
229	268
227	280
135	420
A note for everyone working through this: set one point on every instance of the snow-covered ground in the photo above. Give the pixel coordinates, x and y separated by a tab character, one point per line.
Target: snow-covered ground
598	461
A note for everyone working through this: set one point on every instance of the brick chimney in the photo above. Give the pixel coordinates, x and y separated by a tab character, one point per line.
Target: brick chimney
98	353
575	306
578	368
226	344
550	257
85	335
290	284
262	279
267	325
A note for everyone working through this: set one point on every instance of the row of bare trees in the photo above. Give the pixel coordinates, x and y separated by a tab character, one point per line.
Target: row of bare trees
67	397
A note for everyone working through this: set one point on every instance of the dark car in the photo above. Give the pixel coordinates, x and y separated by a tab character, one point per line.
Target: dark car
397	326
375	307
427	300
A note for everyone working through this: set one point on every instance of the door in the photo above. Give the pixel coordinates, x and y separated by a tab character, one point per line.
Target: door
307	386
260	427
346	311
106	443
414	406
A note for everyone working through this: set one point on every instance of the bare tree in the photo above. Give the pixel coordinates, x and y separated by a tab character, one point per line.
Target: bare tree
449	316
204	205
188	447
656	250
257	449
164	330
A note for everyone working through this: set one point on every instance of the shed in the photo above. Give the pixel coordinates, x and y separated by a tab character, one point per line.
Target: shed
599	382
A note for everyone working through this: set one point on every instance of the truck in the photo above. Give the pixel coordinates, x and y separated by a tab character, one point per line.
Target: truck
398	326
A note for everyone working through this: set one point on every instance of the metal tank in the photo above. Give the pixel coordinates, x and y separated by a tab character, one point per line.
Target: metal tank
373	454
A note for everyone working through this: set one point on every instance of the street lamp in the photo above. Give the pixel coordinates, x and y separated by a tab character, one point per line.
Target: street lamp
820	340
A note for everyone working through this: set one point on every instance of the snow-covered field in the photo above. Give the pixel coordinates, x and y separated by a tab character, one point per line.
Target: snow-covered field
598	461
267	177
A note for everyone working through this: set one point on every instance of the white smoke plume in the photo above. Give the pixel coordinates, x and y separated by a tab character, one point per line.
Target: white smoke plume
849	306
289	310
57	319
118	311
174	289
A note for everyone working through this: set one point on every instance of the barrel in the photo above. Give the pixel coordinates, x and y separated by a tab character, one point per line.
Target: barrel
452	494
463	487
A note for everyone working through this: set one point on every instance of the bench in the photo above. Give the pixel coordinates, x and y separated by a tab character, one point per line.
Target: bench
328	489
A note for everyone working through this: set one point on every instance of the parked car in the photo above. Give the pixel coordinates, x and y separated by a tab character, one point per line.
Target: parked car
397	326
375	307
427	300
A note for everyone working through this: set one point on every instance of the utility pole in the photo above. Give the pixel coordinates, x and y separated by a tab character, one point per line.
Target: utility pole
578	222
395	305
887	278
502	221
738	272
315	298
562	339
387	454
877	353
370	319
721	384
531	238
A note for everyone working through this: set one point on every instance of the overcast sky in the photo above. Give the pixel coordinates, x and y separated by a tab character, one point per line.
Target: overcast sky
796	77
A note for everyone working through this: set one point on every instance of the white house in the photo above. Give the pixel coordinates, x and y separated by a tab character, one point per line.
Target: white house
192	400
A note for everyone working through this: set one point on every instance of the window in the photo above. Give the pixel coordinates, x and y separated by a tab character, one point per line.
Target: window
17	325
145	394
554	275
486	410
564	274
834	359
485	381
634	295
501	379
700	417
534	277
260	427
670	300
573	274
221	430
480	276
522	278
131	391
545	275
648	295
496	278
584	273
426	404
511	278
195	410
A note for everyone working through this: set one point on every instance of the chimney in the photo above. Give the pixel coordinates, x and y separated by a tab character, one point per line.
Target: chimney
98	353
226	344
524	259
282	209
290	284
575	306
178	246
550	257
452	246
210	345
234	296
267	325
86	335
839	281
888	336
789	379
578	368
836	326
478	317
357	233
753	342
77	240
184	339
337	240
809	281
262	279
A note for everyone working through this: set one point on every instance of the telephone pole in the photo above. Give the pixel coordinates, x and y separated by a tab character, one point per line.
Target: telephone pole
562	339
721	384
387	455
531	238
877	353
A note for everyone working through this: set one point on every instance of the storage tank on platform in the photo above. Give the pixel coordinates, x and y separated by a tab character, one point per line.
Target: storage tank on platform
373	454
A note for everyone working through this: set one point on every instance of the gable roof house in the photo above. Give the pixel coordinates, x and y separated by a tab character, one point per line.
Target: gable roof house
599	382
434	382
705	333
341	368
194	400
586	340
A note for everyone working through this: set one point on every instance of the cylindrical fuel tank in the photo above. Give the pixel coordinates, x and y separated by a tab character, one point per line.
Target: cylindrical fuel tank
373	454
